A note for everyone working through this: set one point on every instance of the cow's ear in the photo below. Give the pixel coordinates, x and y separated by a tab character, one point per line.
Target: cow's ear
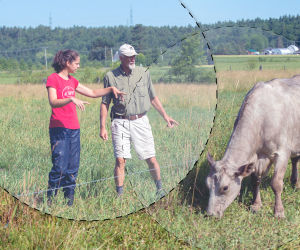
210	160
245	170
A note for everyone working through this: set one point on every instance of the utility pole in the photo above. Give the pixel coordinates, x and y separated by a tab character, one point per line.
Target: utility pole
105	55
112	56
45	57
162	57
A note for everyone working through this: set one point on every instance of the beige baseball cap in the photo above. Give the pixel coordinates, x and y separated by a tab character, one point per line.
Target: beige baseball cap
127	50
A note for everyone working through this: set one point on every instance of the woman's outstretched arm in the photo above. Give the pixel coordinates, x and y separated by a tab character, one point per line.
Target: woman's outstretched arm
81	89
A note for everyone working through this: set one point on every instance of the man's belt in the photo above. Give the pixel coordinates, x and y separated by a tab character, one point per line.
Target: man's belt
133	117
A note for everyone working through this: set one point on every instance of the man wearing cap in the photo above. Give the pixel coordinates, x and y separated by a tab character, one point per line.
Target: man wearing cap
129	120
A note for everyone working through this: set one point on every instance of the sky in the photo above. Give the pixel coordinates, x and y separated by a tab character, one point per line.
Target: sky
98	13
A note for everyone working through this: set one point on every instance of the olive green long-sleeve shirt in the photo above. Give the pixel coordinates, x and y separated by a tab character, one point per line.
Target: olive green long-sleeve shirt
137	86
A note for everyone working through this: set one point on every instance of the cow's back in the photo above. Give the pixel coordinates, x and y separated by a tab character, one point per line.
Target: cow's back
275	106
269	119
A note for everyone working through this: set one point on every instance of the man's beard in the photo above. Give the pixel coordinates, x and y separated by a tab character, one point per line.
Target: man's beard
131	67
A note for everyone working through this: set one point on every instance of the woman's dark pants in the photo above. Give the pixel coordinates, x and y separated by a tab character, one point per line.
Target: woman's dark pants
65	147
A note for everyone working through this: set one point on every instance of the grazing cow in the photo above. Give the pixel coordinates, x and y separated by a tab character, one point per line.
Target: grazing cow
266	131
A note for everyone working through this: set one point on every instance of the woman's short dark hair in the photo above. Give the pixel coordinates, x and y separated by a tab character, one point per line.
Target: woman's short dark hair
61	58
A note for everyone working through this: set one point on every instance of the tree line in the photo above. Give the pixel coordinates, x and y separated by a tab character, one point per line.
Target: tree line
24	48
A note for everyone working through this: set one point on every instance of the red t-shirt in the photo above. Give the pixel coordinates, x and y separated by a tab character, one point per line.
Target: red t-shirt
65	116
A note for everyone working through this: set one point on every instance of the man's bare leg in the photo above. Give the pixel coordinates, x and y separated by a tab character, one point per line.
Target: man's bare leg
119	174
154	168
155	172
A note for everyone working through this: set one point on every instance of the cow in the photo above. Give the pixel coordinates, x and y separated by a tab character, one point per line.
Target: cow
266	131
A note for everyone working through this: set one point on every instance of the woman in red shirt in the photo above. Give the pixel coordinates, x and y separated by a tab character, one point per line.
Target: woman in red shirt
64	127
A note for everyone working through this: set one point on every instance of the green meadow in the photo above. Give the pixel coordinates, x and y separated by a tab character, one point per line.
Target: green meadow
181	212
26	156
253	62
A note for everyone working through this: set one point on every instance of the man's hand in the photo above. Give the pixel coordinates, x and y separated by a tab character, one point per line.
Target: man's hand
118	92
158	106
103	134
171	122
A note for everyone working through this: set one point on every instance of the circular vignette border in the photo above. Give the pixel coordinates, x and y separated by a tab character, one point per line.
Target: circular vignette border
143	207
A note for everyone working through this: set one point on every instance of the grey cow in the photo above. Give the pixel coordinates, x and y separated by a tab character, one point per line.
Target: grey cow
266	131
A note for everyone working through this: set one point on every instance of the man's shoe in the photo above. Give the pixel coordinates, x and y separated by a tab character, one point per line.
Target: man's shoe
70	200
160	193
120	196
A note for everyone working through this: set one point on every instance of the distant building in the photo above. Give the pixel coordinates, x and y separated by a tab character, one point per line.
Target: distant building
297	52
293	48
267	51
252	52
281	51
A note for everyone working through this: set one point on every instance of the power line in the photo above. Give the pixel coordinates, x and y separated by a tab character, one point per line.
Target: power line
20	50
50	21
131	18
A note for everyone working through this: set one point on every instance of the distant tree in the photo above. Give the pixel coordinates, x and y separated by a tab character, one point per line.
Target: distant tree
280	43
40	57
256	42
137	36
151	56
23	65
2	63
140	59
191	54
222	49
146	39
98	48
83	59
29	64
114	65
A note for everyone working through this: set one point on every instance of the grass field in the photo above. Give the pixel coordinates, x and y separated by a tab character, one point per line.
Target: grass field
37	76
26	158
221	62
244	62
182	212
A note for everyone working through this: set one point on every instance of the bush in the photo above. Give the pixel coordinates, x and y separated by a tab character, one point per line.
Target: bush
251	63
88	76
34	78
262	59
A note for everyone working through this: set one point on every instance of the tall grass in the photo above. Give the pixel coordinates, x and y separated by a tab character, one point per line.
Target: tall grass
26	157
243	81
24	228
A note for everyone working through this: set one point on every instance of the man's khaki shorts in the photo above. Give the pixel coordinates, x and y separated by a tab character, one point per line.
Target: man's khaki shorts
138	132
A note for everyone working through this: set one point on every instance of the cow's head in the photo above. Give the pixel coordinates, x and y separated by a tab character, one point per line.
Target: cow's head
224	184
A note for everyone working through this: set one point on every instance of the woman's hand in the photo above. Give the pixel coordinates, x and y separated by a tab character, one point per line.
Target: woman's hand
79	103
118	92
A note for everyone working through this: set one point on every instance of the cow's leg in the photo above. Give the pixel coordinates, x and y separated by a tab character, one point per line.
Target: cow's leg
256	202
294	176
280	163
